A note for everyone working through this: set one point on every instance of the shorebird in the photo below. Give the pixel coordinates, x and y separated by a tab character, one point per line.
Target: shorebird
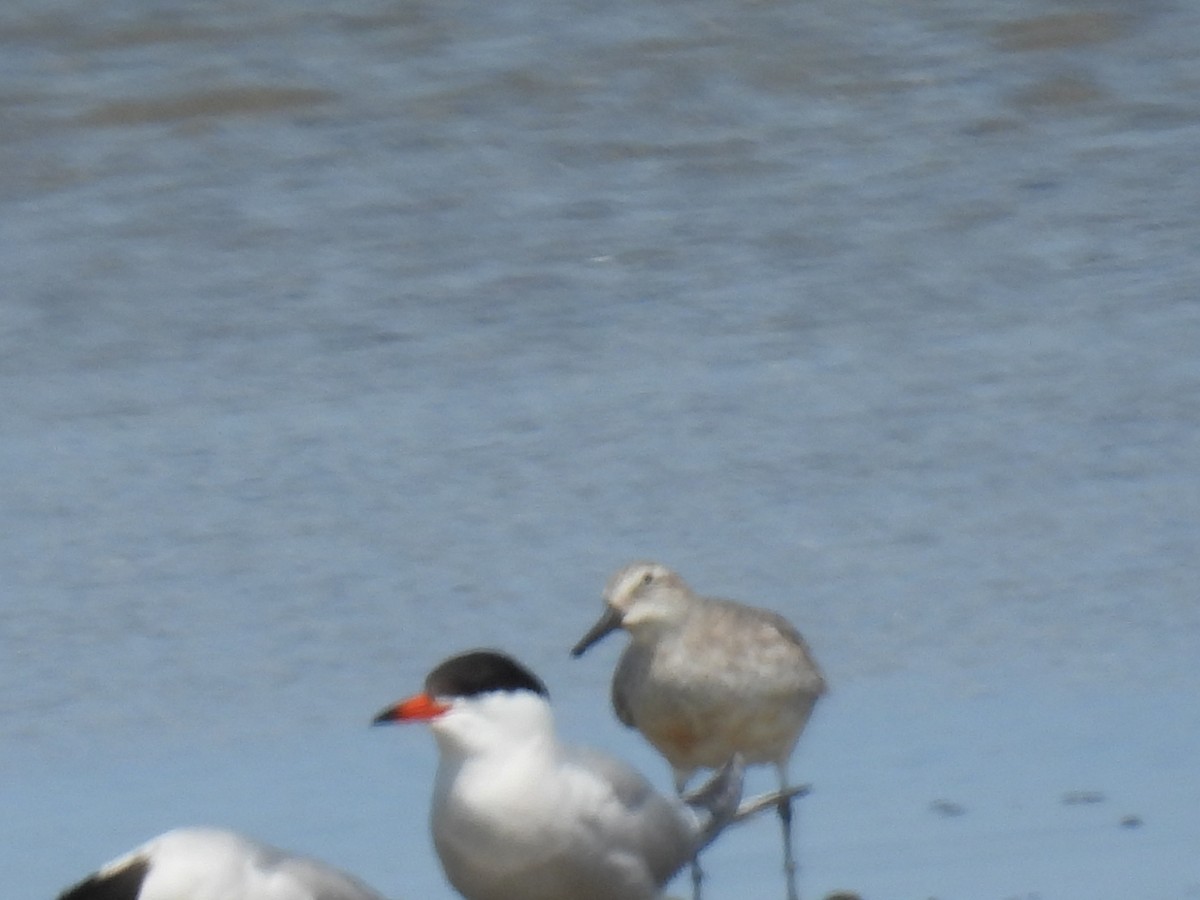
703	679
212	864
517	815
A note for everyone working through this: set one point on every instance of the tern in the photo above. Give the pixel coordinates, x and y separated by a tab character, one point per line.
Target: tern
214	864
704	679
517	815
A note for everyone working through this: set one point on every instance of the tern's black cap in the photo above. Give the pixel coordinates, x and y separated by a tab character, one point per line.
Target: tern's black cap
481	672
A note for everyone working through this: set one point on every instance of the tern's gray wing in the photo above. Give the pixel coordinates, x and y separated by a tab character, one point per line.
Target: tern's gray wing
660	830
327	883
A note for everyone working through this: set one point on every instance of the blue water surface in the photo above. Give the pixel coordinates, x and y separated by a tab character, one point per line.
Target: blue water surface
335	341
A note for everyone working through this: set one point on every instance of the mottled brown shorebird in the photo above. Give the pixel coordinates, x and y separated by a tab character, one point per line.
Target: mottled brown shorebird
704	678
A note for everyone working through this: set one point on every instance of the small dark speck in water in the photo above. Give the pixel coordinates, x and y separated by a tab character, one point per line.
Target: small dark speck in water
947	808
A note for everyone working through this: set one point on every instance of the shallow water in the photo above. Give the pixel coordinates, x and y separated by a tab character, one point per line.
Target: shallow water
333	342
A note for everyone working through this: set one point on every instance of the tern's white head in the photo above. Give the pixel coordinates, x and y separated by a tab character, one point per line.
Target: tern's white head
478	702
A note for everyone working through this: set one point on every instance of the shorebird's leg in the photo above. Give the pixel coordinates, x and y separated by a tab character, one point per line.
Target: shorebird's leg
785	819
697	877
681	780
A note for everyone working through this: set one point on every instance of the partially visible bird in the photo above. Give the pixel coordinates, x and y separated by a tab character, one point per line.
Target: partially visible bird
517	815
703	679
213	864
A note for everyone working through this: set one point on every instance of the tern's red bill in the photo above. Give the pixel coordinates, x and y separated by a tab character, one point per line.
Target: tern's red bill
417	708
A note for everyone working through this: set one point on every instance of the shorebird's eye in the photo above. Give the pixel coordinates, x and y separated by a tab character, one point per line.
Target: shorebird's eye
647	578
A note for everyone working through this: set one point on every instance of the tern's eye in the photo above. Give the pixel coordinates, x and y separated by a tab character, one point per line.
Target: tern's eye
647	578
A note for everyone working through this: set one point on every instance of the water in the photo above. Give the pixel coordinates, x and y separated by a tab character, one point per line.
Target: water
335	341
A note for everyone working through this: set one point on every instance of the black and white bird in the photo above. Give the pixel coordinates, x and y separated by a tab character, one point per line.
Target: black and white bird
213	864
517	815
703	679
